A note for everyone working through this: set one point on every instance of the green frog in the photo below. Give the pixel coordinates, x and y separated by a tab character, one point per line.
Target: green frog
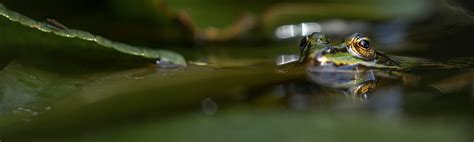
348	66
355	50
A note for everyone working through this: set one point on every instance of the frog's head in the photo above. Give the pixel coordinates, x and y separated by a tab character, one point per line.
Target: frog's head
310	43
313	39
356	49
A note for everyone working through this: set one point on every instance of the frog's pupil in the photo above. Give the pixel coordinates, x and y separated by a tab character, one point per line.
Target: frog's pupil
365	44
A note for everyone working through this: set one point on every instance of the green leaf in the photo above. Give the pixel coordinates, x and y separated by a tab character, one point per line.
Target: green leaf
140	22
21	31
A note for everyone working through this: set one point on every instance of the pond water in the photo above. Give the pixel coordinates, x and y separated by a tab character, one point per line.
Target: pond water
433	94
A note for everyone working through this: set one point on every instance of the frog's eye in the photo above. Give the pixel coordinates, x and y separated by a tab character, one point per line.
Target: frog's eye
364	44
359	46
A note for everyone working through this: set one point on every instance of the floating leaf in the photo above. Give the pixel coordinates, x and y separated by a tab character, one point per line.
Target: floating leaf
21	31
139	22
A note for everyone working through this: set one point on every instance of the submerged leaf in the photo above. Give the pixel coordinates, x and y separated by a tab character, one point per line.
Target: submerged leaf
142	92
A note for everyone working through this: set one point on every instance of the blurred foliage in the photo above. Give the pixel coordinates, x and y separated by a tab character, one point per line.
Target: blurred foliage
150	22
204	13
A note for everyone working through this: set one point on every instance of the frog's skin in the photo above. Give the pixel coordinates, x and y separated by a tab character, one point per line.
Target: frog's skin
310	45
356	49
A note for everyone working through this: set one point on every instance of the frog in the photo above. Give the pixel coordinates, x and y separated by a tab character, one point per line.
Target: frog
350	67
355	50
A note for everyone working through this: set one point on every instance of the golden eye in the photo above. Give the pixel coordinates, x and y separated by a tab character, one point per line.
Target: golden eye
359	46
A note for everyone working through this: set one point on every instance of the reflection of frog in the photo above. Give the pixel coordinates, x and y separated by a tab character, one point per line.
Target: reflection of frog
357	82
354	50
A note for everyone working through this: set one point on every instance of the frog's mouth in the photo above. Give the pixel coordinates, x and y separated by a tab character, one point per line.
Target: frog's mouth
344	58
345	61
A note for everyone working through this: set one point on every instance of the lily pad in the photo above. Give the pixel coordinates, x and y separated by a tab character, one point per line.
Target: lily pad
139	22
27	35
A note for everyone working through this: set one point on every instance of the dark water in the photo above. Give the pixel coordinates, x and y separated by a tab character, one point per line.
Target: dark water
431	100
441	88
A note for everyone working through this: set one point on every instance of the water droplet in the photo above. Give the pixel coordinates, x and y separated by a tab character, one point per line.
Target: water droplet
208	106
